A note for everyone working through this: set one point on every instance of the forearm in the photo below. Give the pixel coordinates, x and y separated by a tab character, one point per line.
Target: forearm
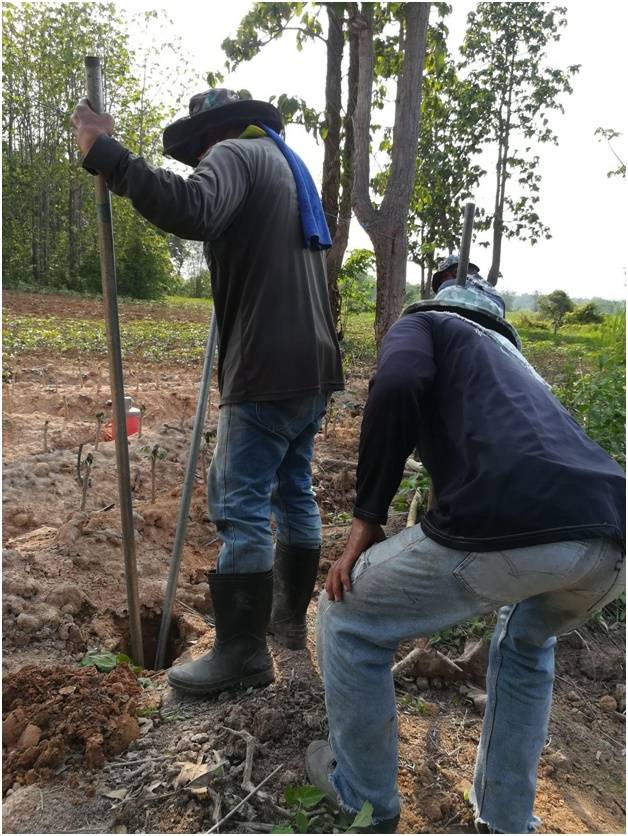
388	437
167	200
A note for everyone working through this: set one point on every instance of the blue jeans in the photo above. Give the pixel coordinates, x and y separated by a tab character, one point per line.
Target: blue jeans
262	464
410	586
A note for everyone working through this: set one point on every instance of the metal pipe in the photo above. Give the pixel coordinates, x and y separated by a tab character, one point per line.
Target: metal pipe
110	299
186	496
465	244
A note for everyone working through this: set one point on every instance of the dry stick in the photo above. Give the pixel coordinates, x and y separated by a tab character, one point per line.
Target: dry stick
248	760
46	436
245	799
99	420
414	508
65	410
142	411
88	466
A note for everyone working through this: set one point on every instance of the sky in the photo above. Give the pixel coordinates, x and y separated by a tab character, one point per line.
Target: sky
585	210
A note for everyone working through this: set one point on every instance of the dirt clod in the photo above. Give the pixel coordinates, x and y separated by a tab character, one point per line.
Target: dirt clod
52	712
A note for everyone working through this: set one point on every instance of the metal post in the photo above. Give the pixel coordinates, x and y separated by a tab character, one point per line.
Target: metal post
465	244
110	299
186	496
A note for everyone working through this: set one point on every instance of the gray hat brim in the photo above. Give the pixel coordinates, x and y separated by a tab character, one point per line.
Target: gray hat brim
184	137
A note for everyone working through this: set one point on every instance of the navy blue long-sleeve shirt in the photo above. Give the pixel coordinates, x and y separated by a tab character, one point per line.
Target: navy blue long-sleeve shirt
509	465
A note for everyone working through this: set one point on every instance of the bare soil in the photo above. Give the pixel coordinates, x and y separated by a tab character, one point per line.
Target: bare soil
91	752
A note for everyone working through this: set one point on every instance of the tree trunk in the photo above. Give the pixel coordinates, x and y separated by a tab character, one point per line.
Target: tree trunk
331	164
502	175
386	226
336	253
391	256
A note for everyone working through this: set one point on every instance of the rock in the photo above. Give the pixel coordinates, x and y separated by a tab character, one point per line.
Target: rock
270	724
20	809
21	519
558	760
620	696
608	703
422	683
68	534
13	726
28	623
424	774
474	661
25	587
601	667
433	810
41	469
13	604
438	683
67	597
29	737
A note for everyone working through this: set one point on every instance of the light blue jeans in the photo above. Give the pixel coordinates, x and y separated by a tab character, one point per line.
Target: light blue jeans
410	586
262	465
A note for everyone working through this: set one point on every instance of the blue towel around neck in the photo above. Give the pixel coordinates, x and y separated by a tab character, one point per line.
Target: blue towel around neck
315	230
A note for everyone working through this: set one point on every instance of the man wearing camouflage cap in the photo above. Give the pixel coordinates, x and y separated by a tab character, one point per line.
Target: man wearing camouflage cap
253	203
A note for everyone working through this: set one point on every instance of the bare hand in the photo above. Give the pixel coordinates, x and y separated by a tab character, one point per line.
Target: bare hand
361	536
88	125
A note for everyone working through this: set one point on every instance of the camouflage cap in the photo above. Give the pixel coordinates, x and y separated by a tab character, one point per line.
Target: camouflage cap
446	264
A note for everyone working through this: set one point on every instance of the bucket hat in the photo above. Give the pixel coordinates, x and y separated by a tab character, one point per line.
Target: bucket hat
185	139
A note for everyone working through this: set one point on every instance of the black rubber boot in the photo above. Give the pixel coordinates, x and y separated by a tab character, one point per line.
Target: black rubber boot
240	654
295	571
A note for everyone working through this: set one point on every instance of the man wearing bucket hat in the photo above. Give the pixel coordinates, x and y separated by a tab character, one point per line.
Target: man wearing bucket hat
529	519
253	203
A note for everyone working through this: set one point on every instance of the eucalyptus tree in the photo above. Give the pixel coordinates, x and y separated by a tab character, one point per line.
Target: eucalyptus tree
49	221
385	222
505	55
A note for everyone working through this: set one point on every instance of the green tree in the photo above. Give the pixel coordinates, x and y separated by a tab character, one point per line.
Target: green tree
448	143
49	223
555	307
585	314
385	223
356	284
505	57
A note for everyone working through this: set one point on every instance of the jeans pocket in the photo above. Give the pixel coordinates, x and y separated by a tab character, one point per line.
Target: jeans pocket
509	576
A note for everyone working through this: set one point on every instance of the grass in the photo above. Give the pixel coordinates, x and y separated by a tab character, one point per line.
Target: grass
146	339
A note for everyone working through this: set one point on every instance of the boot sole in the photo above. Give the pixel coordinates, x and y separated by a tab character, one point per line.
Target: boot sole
226	685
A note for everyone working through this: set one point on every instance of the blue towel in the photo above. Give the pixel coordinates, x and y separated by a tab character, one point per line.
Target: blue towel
315	230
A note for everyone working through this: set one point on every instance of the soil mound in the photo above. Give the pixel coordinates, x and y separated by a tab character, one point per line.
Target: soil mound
52	713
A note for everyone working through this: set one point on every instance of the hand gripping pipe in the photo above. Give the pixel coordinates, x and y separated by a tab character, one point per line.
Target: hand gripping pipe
186	496
110	299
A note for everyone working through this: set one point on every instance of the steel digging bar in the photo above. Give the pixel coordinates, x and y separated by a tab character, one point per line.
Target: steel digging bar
186	496
465	244
110	299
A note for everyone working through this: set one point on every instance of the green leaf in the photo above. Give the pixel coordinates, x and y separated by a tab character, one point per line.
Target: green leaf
104	662
302	821
364	818
306	795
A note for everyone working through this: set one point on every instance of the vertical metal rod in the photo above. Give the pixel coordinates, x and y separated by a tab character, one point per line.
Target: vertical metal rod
110	299
465	244
186	496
